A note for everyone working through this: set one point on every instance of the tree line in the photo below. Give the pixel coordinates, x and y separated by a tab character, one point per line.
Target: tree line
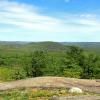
75	62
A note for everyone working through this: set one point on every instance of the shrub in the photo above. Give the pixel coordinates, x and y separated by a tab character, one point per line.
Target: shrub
19	74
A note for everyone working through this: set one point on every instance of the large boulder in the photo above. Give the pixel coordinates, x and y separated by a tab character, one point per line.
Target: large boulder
75	90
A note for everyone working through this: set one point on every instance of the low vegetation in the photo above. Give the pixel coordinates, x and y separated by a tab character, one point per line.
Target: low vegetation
35	94
18	61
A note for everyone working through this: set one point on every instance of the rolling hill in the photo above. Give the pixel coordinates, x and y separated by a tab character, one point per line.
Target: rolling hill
90	46
47	46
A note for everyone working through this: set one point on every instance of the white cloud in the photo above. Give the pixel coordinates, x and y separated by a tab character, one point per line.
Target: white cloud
27	18
5	31
88	15
24	16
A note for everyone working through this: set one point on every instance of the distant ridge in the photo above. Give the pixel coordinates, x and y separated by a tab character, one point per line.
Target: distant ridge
48	45
91	46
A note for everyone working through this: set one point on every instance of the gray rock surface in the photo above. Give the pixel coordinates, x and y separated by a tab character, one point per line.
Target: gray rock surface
76	98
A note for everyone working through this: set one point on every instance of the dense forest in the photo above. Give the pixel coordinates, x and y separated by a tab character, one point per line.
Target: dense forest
19	60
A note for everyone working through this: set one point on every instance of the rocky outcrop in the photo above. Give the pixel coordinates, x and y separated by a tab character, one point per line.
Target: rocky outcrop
76	98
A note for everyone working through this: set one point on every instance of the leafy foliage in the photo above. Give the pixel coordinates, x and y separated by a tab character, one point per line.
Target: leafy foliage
18	61
38	63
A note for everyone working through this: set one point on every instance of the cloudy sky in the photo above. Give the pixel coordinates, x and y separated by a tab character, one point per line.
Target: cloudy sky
50	20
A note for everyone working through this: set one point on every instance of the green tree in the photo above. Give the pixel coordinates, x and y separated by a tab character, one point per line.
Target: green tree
78	60
19	74
38	63
1	61
72	62
73	57
90	66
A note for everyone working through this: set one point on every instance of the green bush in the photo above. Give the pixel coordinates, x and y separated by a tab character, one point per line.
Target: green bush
6	73
71	73
19	74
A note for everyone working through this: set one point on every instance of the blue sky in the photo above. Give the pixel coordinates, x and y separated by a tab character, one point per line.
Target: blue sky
50	20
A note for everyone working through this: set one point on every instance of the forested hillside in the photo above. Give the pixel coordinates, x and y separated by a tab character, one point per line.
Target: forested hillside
19	60
49	46
90	46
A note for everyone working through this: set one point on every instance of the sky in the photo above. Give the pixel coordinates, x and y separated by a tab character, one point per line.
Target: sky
50	20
